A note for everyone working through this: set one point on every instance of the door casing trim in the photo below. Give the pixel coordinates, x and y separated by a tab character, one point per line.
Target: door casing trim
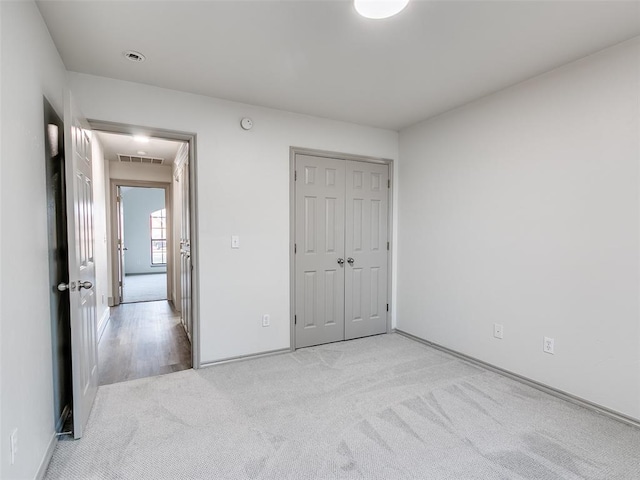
293	151
168	204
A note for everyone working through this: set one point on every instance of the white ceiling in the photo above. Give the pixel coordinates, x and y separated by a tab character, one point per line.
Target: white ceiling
321	58
116	143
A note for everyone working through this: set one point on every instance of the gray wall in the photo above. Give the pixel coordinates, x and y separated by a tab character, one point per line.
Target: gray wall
522	209
138	203
31	68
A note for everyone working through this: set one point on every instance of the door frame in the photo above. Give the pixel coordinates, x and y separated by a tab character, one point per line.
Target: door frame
57	227
293	151
115	254
191	139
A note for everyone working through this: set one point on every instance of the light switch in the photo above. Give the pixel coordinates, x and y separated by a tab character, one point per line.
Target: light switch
235	241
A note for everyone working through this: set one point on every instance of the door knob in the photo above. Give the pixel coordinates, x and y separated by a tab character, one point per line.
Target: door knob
86	285
65	286
341	261
350	261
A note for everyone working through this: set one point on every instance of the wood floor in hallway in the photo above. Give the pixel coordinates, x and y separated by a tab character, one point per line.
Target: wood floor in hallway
142	340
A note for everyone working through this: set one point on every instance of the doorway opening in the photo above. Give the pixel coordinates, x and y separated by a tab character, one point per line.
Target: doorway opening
87	315
150	327
142	240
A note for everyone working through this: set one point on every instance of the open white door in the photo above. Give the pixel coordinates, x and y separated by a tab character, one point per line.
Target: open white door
84	356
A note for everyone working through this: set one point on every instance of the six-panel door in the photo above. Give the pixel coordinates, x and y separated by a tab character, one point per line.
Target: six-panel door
320	194
82	276
341	210
366	249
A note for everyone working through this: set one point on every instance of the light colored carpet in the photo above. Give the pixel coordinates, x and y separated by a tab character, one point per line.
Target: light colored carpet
383	407
145	288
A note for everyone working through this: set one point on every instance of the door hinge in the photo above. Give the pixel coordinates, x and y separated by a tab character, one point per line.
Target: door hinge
387	307
387	245
295	175
389	183
295	248
295	319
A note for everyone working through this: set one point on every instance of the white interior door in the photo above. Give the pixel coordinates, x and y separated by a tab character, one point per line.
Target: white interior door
366	249
81	264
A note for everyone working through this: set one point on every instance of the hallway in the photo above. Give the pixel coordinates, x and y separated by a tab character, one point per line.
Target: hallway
142	340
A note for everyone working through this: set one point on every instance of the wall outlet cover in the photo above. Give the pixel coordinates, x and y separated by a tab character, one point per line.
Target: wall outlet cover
548	345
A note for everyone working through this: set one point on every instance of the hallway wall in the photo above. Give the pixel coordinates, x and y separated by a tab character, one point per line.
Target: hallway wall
243	189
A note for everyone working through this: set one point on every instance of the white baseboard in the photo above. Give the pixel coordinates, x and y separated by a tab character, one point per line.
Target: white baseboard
47	457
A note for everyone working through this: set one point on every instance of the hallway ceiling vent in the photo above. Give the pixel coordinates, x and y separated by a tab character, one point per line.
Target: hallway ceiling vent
140	159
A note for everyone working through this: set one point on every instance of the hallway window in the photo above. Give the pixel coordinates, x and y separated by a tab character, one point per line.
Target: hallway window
159	237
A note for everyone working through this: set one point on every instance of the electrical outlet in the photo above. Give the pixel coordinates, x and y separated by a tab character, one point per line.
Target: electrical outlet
266	320
497	330
548	345
14	445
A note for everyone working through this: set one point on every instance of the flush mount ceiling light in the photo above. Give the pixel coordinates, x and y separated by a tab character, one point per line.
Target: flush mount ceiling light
134	56
141	138
378	9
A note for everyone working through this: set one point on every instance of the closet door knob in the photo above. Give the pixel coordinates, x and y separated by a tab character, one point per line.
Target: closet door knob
350	261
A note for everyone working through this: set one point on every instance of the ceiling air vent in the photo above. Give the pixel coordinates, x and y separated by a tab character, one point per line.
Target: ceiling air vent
134	56
139	159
